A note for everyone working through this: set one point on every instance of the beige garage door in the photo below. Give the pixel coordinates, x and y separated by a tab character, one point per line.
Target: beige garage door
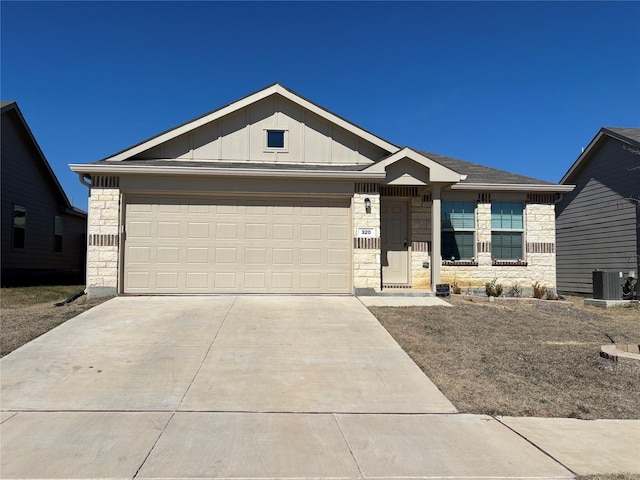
236	245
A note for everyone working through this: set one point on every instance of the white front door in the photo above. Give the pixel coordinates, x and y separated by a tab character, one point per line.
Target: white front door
395	241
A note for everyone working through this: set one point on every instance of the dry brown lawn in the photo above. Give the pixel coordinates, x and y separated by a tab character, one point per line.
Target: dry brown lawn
28	312
612	476
524	357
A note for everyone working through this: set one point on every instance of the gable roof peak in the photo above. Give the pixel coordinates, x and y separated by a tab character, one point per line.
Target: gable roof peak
244	102
628	135
11	109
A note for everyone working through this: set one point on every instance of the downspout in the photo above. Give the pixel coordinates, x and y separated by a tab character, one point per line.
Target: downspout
82	177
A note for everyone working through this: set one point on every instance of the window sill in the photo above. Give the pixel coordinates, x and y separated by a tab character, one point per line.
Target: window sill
460	263
509	263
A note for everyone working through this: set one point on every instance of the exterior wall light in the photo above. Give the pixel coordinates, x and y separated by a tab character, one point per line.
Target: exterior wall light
367	205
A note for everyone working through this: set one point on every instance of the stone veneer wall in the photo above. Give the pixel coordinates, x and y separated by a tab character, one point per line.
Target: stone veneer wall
366	251
103	237
420	243
539	254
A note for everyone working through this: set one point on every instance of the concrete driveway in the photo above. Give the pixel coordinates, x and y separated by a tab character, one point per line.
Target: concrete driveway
239	387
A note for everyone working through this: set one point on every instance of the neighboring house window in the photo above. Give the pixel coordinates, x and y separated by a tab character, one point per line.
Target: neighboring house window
57	235
507	230
458	230
276	139
19	226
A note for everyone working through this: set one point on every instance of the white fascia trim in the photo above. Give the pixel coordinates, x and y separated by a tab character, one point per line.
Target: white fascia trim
262	94
520	187
222	172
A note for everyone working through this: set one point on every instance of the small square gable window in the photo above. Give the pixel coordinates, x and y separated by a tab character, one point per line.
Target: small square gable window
275	138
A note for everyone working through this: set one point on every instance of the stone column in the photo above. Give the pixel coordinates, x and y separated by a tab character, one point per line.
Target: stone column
436	255
366	251
103	237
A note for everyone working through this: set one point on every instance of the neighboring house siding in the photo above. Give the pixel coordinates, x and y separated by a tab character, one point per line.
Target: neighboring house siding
26	182
597	223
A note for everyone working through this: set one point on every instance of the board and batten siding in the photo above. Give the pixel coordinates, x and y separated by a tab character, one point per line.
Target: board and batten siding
597	223
27	182
240	137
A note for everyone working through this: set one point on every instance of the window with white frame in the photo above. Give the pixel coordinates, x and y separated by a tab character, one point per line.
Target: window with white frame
276	140
458	226
507	230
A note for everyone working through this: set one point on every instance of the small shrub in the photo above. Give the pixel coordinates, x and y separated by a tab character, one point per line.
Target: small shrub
455	288
515	290
538	290
493	289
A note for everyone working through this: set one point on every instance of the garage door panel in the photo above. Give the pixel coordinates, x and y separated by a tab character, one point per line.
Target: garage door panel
169	208
282	280
255	256
197	230
138	280
167	255
255	280
255	231
337	256
169	230
283	231
204	245
139	229
197	280
226	255
139	254
198	255
167	280
311	232
311	281
337	232
337	282
282	256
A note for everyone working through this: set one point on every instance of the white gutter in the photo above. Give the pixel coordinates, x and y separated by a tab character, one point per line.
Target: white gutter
223	172
517	187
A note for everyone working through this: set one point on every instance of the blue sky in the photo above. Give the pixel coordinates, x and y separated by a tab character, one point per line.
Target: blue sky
520	86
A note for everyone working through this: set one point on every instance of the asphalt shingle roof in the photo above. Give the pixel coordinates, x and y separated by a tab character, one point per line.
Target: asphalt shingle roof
630	133
480	174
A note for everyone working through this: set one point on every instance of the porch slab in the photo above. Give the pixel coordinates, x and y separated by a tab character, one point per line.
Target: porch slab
599	302
401	301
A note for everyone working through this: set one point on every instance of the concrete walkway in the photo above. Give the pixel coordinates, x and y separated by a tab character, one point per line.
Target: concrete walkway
262	387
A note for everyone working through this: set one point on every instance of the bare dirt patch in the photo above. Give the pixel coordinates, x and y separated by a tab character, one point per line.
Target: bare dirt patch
28	312
523	358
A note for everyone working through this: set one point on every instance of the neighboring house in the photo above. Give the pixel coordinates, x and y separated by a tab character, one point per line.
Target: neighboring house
275	194
598	224
43	235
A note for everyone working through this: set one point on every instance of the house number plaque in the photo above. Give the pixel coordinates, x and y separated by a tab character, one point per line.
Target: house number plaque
368	232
